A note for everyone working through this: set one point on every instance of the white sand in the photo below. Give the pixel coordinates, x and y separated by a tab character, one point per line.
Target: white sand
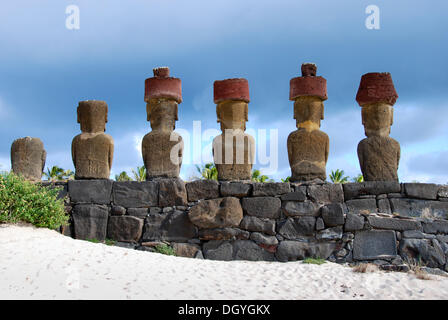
42	264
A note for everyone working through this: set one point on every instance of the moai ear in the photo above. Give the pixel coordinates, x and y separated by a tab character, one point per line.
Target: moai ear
105	115
322	111
78	115
176	115
148	112
246	114
218	113
391	116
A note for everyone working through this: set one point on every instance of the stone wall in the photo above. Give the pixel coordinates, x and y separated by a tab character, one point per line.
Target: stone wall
385	222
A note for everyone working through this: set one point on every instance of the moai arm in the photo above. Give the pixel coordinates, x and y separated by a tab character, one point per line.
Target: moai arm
74	152
111	154
360	156
290	151
44	158
327	149
144	151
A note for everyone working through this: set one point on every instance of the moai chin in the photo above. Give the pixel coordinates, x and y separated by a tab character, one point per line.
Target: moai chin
162	148
308	146
92	150
28	158
233	150
379	154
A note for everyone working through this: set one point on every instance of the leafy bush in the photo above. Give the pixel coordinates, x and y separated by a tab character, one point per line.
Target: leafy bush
25	201
165	249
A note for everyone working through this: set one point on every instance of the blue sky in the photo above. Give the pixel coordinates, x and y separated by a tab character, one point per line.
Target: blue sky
46	69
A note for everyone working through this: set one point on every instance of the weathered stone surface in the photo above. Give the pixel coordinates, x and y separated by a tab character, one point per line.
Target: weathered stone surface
421	190
394	224
92	150
248	250
330	234
384	206
266	189
443	192
217	213
415	234
118	211
258	225
186	250
353	222
435	226
90	191
135	194
223	234
28	158
90	221
326	193
354	190
320	224
262	207
174	226
124	228
428	251
296	228
263	239
333	214
162	148
235	189
375	244
218	250
364	206
419	208
294	208
172	192
138	212
296	250
202	189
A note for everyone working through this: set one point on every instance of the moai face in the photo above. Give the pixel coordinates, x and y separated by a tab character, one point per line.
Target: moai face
377	119
308	112
162	114
232	115
92	115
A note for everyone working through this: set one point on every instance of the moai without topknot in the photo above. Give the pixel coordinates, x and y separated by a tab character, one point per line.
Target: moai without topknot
308	146
92	150
28	158
162	148
233	150
379	154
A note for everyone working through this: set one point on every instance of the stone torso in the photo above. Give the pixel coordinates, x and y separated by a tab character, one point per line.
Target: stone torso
92	155
238	165
308	152
379	158
157	148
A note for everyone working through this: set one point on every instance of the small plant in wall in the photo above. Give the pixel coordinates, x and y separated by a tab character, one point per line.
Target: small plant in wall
164	249
317	261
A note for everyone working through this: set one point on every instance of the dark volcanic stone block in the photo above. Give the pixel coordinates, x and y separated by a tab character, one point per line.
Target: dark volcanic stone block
428	251
354	190
394	224
90	221
358	206
262	207
419	208
90	191
249	250
169	226
251	223
135	194
235	189
421	190
333	214
296	228
295	208
202	189
261	189
297	250
354	222
172	192
375	244
326	193
124	228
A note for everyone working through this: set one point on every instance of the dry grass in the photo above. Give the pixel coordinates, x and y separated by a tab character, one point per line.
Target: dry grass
365	268
421	274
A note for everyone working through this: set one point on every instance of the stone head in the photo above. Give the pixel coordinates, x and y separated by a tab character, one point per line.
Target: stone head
92	115
162	114
377	119
308	109
232	114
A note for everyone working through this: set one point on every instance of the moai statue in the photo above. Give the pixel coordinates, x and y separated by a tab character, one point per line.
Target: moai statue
233	150
28	158
308	146
92	150
162	148
378	154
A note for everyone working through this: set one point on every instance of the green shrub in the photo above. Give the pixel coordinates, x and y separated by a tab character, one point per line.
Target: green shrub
165	249
24	201
314	261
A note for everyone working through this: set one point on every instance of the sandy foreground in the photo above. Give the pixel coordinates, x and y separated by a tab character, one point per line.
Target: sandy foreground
43	264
